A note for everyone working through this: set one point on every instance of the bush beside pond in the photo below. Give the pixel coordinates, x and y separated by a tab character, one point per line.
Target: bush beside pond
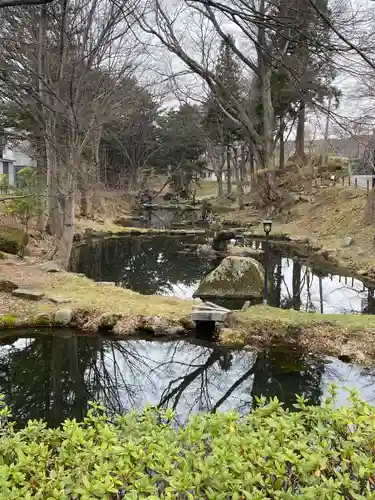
316	452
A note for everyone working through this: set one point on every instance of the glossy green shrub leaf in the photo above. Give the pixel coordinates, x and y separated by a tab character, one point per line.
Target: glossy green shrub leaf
312	453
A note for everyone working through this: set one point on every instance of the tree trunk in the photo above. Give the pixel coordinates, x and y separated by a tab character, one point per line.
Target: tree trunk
282	144
84	190
68	227
300	135
219	176
265	71
251	160
55	216
229	172
42	160
41	186
84	202
240	168
220	187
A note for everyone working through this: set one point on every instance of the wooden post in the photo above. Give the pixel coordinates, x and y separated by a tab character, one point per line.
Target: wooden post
368	184
352	282
356	182
343	180
346	280
348	181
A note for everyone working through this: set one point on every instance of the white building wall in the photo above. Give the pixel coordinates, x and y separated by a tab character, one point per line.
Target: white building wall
12	179
22	159
8	154
15	158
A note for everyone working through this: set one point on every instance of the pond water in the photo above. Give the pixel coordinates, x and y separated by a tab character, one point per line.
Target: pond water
151	265
172	266
54	376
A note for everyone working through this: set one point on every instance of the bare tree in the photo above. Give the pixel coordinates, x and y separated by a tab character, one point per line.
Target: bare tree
68	74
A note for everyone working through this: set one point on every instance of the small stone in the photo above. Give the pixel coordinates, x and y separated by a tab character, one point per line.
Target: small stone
155	324
60	300
158	326
175	330
63	316
187	324
109	321
347	242
28	293
50	267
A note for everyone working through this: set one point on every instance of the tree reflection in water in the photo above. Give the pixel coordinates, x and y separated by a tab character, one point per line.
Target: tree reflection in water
54	377
146	264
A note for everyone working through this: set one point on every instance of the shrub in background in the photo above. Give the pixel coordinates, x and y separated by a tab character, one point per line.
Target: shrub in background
314	453
26	201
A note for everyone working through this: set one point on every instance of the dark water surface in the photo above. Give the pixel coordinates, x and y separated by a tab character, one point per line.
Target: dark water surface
166	265
54	376
151	265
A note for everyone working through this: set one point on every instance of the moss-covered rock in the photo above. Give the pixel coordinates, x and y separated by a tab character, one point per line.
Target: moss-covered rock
13	240
235	277
42	319
108	321
8	321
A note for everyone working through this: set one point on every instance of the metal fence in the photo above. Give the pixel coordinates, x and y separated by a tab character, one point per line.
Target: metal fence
366	182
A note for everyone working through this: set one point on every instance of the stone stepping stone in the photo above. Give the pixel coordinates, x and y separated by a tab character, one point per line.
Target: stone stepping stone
208	311
60	300
50	267
28	293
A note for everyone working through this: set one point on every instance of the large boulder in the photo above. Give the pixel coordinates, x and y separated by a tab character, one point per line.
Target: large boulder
12	240
235	277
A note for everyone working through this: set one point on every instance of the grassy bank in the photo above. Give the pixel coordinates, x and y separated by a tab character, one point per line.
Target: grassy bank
325	217
92	305
351	336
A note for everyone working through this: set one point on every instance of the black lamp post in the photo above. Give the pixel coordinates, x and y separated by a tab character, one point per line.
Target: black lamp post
267	226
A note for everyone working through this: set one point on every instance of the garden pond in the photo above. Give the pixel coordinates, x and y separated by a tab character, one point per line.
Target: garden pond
172	265
54	376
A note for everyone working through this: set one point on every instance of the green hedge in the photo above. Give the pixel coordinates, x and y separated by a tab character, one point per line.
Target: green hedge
316	452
